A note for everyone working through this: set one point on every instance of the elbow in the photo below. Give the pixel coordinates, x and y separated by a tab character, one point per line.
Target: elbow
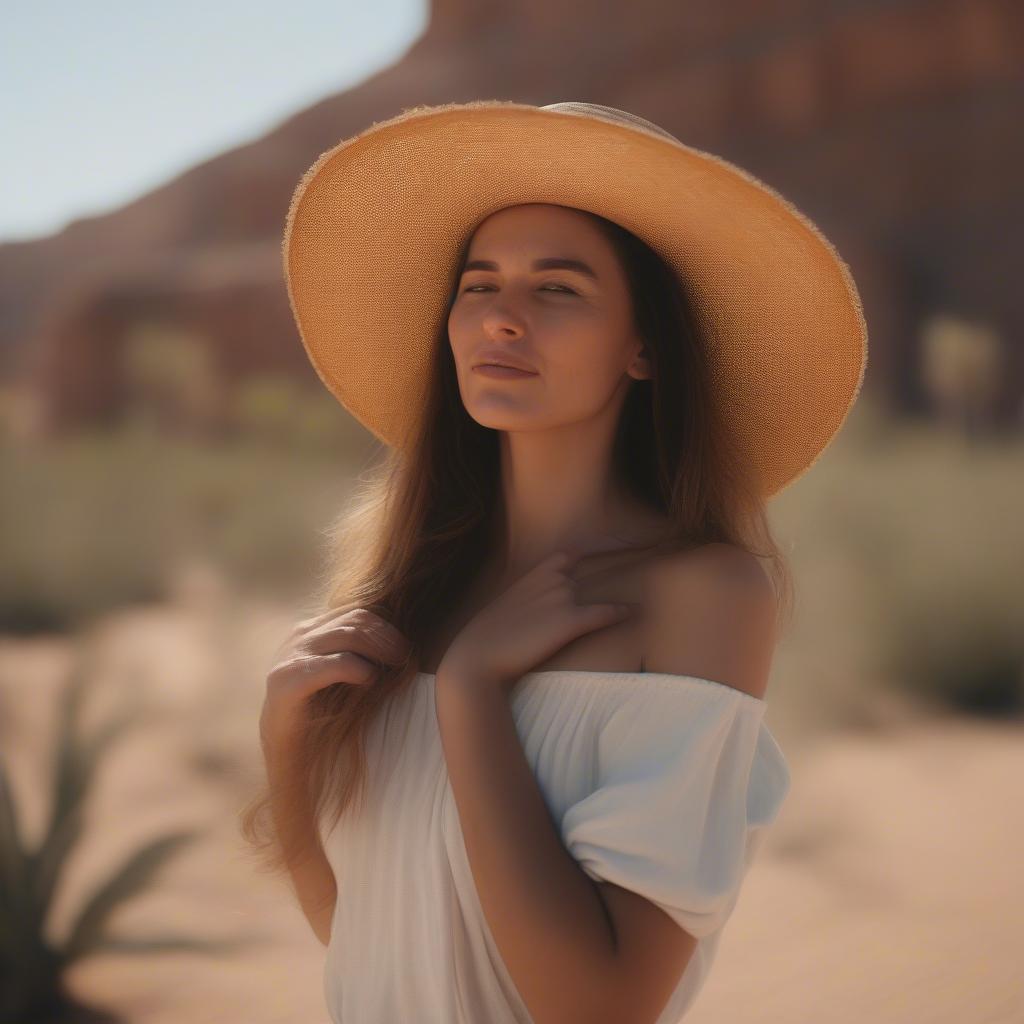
627	994
607	1014
322	930
321	921
604	1003
594	1000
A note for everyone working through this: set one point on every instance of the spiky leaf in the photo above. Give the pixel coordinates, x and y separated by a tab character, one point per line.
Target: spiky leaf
73	773
15	904
12	854
160	944
133	877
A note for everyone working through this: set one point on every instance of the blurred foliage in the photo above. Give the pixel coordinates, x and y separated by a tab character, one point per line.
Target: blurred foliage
923	517
963	368
170	378
173	386
279	411
100	520
926	520
33	965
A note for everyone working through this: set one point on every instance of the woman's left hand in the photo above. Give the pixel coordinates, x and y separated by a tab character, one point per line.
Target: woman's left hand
531	620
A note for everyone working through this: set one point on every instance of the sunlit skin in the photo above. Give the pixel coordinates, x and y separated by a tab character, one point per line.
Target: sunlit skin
577	950
577	333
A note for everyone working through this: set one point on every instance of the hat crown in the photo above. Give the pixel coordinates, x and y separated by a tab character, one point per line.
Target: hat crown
376	223
613	115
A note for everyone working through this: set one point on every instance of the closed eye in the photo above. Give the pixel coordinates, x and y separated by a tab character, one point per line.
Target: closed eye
548	288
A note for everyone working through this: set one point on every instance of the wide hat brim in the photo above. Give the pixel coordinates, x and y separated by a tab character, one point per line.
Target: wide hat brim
375	226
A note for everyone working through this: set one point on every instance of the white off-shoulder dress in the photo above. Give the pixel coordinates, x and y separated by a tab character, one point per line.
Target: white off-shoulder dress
663	784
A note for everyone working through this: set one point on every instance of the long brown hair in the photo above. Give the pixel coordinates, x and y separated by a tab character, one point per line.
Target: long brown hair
421	524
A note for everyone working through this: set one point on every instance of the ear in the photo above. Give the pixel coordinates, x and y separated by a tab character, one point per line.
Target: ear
640	367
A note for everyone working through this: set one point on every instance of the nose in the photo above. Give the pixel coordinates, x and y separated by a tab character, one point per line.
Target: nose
502	322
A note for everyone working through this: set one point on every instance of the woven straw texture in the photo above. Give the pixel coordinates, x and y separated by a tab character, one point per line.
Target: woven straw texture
375	225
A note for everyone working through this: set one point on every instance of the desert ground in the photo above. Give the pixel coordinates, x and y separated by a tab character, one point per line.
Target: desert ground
889	890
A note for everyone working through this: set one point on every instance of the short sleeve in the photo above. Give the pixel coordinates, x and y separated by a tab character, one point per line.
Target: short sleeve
687	783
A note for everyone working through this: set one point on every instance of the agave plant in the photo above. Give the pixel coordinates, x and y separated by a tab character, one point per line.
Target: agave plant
32	967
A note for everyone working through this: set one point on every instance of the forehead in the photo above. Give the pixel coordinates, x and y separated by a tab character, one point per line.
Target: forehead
539	225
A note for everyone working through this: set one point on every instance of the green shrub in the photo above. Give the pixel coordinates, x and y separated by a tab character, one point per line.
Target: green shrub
101	520
33	966
926	525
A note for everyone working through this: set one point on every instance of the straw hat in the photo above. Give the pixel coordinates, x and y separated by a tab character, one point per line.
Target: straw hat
375	225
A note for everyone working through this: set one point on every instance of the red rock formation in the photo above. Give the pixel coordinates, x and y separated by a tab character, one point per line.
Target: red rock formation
895	126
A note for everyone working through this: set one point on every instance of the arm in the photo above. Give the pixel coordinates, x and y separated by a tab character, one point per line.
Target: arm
549	919
579	950
329	649
312	877
545	913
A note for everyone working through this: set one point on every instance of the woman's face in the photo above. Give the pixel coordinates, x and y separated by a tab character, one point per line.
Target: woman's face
574	329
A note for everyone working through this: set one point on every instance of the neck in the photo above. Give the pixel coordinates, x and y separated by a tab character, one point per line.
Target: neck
559	493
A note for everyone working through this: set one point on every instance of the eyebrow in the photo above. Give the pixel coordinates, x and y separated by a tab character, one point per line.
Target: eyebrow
545	263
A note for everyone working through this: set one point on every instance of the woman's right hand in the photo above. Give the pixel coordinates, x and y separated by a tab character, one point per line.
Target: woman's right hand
331	648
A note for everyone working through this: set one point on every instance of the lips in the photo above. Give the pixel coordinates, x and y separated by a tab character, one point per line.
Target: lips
500	359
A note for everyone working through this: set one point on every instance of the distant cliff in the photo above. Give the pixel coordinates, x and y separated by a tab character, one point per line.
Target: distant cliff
895	125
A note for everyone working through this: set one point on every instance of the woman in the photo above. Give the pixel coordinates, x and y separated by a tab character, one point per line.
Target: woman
550	619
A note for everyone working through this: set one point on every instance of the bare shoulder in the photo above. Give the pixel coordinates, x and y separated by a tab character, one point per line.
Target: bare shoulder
710	612
721	566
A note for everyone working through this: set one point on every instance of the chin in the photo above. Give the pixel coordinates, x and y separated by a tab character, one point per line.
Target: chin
494	421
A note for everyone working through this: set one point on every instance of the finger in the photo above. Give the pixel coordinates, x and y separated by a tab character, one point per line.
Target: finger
550	573
611	562
385	632
604	614
560	560
333	615
567	557
373	640
311	622
369	624
559	582
306	676
538	579
555	568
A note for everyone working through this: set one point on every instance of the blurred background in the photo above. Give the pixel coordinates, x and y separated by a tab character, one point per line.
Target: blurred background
169	462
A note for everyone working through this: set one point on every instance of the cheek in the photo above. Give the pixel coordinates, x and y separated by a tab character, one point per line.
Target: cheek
456	328
591	356
587	385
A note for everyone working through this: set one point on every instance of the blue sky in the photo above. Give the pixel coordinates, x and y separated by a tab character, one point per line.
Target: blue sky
103	101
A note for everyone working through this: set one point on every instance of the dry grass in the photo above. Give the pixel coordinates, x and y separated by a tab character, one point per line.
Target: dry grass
103	520
907	541
905	544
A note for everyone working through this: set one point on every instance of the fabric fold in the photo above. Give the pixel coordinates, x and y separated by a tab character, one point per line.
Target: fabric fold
658	783
681	804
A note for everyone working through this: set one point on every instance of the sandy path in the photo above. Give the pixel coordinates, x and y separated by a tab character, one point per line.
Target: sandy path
890	890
